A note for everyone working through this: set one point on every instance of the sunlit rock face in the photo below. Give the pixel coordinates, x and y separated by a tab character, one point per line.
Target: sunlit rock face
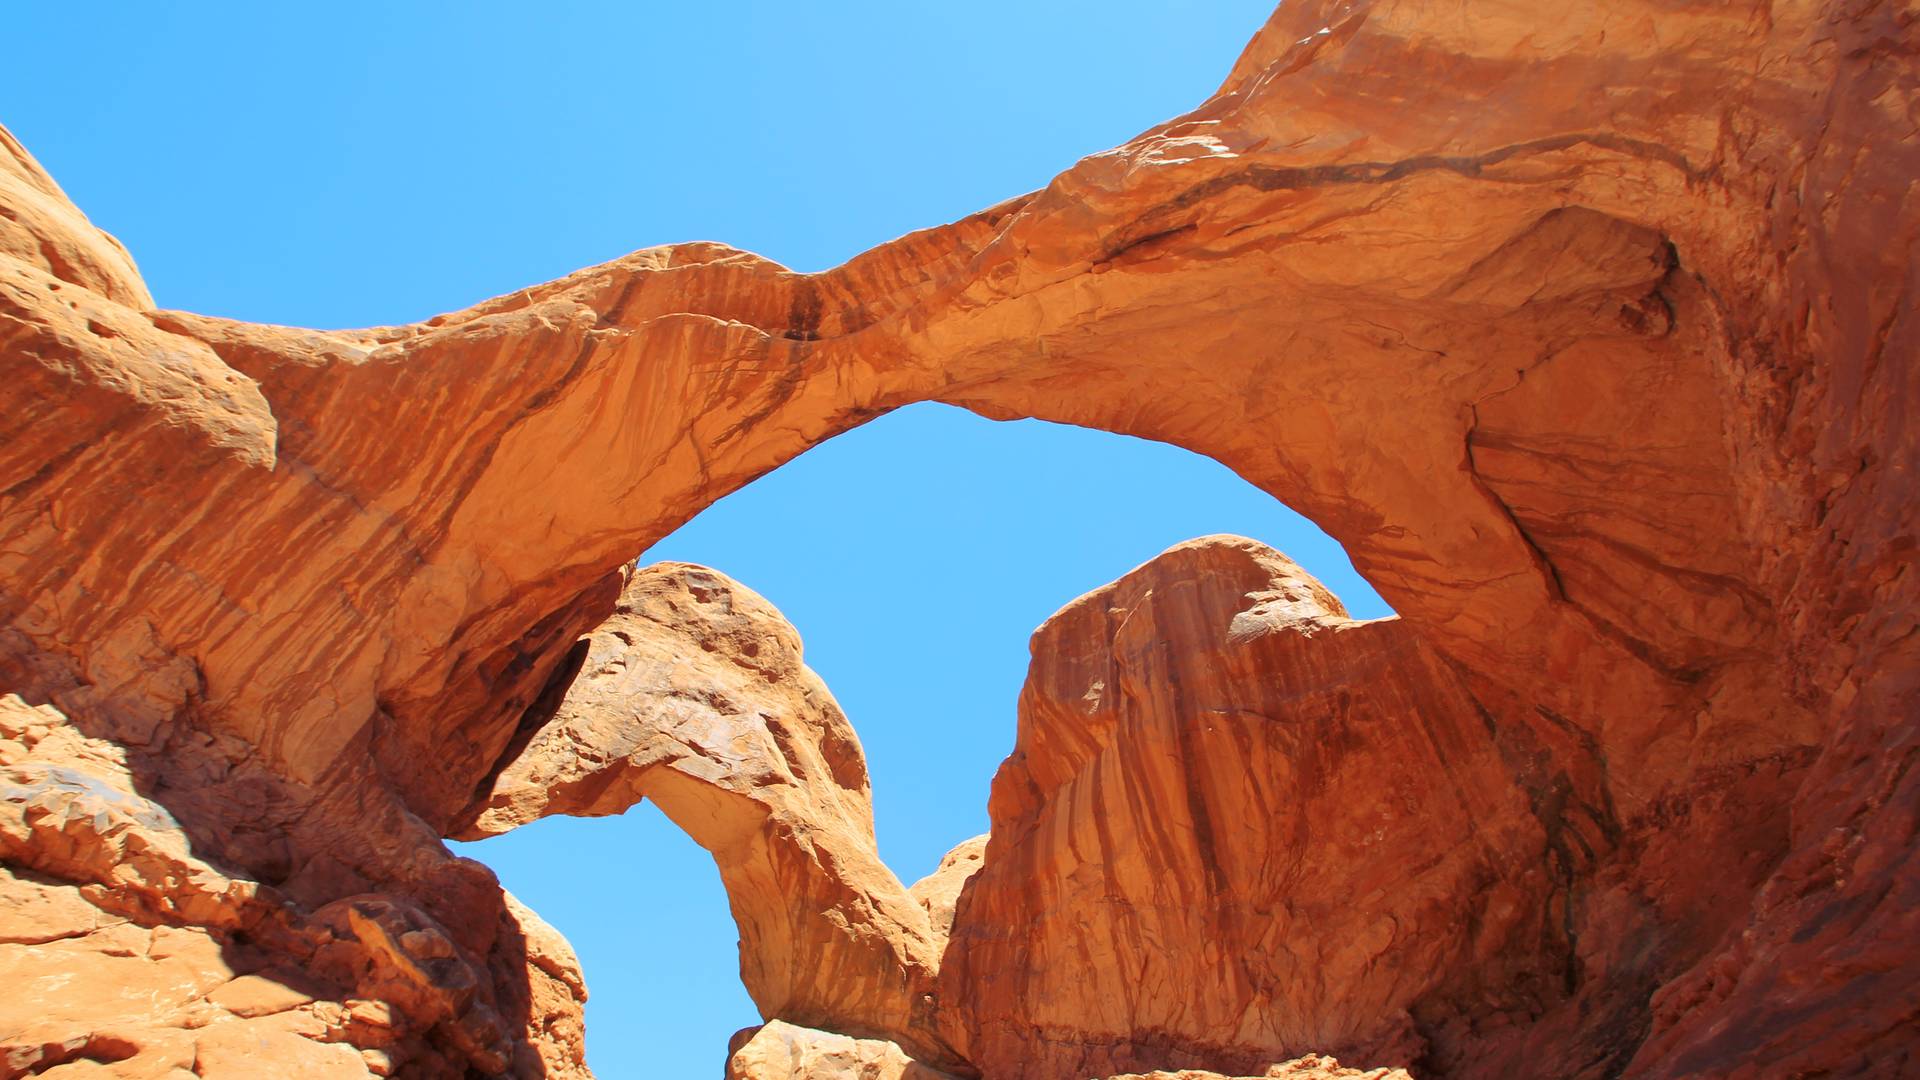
693	694
1583	331
1199	742
1284	828
781	1051
125	954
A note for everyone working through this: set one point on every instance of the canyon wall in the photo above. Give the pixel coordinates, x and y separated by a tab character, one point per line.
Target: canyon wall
1586	332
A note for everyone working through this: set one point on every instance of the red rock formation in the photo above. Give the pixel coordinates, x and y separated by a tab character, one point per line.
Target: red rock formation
1275	827
939	891
1312	1067
124	950
1210	753
781	1051
693	694
1584	333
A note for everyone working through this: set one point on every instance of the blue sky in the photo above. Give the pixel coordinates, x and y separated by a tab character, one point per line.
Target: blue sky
358	164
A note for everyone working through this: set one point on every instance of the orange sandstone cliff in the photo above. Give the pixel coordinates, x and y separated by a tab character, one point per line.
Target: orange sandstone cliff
1588	332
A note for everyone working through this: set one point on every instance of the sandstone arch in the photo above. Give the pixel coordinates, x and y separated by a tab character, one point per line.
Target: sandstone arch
692	694
1583	337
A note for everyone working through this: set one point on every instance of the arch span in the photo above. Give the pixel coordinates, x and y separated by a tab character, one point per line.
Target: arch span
1573	337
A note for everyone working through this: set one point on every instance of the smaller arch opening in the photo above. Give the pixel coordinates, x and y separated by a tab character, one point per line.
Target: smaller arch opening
916	555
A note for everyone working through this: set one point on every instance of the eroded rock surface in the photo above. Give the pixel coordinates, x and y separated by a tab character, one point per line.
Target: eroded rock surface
124	951
693	694
939	891
1311	1067
1583	332
782	1051
1317	811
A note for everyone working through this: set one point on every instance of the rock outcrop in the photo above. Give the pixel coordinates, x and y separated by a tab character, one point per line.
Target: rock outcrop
1584	332
1209	752
693	694
939	892
123	950
1312	1067
1285	829
782	1051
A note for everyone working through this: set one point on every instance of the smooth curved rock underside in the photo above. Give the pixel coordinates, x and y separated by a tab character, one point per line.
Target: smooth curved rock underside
1589	333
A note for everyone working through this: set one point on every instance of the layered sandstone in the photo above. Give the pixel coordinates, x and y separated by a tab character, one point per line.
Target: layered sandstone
124	951
939	892
1311	1067
1288	829
693	694
1209	752
1583	332
782	1051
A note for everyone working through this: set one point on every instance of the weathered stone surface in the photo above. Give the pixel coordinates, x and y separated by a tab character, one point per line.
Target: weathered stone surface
939	891
1583	332
693	694
1316	810
43	229
123	949
782	1051
1311	1067
1197	742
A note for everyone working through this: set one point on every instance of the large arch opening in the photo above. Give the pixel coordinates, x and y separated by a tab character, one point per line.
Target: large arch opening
1517	364
916	555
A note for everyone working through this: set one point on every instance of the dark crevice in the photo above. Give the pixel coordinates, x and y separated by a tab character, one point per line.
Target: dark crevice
98	1049
1148	241
536	717
1294	178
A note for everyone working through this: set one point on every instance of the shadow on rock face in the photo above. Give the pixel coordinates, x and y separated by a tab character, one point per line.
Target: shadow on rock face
693	693
125	945
1581	334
